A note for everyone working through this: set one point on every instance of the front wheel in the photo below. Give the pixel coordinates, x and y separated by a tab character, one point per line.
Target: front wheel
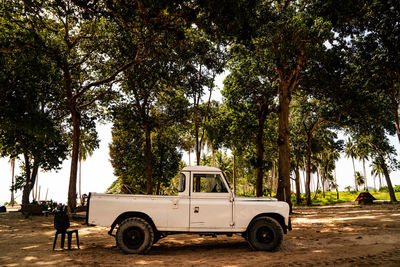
134	236
265	234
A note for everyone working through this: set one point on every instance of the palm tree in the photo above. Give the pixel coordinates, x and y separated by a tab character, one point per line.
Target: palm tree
329	156
360	179
376	171
362	151
350	151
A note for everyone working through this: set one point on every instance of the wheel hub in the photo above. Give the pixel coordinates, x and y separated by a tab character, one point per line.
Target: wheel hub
133	237
264	235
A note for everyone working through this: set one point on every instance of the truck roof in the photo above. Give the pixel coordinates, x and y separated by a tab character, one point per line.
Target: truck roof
201	168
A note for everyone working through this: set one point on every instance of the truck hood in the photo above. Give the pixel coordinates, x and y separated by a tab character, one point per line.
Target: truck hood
264	199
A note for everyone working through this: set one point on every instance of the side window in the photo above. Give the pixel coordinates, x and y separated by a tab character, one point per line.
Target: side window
208	183
182	181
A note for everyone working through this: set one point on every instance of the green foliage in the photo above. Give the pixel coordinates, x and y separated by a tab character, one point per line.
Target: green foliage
384	189
127	152
347	196
396	188
30	123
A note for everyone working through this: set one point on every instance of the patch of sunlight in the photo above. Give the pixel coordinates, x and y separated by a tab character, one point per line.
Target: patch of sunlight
305	220
30	258
396	214
143	262
34	246
318	251
52	263
52	232
386	220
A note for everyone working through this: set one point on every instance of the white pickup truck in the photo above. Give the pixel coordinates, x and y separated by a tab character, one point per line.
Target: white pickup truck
205	205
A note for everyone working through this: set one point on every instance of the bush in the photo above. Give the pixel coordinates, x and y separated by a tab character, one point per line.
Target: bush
7	203
396	188
384	189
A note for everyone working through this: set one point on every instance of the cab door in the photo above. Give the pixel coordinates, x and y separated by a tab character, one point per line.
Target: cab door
210	202
179	207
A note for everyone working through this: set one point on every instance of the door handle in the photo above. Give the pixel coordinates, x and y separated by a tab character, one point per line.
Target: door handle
196	209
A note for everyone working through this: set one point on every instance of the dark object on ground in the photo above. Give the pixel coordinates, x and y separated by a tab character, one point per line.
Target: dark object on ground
31	209
61	224
80	209
365	198
3	209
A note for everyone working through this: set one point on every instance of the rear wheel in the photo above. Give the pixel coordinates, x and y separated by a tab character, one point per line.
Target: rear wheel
134	236
265	234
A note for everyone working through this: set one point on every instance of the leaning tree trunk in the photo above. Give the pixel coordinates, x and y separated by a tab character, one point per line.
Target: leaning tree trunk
388	181
395	93
283	191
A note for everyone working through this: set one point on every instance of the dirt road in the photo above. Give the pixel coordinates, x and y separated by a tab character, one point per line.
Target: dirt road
342	235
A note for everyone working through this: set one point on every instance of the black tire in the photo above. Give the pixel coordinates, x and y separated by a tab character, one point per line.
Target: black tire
265	234
135	236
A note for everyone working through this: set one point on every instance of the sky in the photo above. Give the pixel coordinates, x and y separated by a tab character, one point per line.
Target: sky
97	172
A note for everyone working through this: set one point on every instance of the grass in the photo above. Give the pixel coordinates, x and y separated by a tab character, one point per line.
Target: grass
346	196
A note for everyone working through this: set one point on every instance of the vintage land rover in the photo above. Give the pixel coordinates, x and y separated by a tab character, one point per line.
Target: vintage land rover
205	204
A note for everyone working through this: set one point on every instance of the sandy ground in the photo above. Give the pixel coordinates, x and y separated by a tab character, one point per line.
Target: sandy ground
341	235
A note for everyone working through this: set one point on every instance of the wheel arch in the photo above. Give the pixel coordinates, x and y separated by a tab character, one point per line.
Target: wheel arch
131	214
275	216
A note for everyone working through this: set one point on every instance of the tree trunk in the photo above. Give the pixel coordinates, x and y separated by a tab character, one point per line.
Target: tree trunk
323	182
316	188
308	171
283	191
336	186
355	177
158	188
80	178
297	181
213	157
260	155
149	181
365	176
395	94
374	177
30	178
189	156
28	183
388	181
12	201
234	173
36	187
76	123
